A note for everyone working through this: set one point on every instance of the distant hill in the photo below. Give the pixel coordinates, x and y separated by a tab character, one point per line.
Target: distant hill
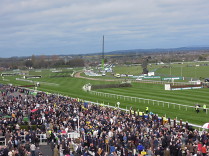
181	49
131	51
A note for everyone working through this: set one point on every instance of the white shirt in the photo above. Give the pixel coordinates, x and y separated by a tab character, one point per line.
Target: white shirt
32	147
10	153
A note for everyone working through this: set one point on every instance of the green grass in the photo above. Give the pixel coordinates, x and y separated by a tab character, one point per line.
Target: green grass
189	70
129	70
185	70
70	86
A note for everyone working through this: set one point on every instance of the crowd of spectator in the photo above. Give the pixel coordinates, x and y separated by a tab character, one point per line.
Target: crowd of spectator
103	131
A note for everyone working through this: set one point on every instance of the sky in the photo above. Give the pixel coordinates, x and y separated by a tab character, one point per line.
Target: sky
55	27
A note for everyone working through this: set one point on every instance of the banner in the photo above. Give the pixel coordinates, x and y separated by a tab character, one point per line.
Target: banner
186	88
151	77
172	78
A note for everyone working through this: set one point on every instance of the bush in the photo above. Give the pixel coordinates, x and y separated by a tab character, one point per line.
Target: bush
110	86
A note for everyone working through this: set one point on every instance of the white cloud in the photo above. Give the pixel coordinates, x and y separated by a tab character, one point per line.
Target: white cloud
80	24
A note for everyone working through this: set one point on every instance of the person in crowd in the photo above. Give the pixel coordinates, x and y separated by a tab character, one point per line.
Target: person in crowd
102	130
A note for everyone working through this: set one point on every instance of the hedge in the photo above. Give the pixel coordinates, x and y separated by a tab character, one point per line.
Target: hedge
111	86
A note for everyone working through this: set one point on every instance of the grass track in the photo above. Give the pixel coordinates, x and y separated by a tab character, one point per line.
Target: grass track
73	87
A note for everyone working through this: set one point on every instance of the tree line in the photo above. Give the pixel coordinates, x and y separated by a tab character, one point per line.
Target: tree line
38	62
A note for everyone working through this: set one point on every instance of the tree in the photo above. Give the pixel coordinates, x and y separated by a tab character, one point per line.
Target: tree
28	63
77	62
33	59
202	58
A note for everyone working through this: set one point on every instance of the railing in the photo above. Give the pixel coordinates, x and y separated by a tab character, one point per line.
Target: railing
176	121
160	82
42	137
2	140
148	101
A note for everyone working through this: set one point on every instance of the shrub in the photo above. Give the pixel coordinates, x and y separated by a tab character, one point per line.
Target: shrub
110	86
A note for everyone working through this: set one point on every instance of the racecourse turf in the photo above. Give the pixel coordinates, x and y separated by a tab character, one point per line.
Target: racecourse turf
71	86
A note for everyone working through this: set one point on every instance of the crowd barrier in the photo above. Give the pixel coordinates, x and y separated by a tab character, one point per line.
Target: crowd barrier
2	140
160	82
42	138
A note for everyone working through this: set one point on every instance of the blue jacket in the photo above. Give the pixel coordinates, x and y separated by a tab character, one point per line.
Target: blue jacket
140	147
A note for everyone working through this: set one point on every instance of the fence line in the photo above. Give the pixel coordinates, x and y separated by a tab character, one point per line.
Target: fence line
128	110
148	101
160	82
42	137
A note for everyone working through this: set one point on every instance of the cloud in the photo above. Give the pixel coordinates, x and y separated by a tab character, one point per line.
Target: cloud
75	26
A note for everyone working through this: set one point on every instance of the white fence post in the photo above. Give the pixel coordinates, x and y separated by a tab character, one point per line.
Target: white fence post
141	100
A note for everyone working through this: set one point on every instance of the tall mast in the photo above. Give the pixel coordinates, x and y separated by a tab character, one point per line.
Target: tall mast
103	54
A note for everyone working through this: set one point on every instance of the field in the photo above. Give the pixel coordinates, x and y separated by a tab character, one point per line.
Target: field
129	70
61	82
157	92
193	70
184	70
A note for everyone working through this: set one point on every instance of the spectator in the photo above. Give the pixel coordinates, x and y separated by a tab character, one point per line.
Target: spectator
103	131
32	149
204	150
56	151
140	148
